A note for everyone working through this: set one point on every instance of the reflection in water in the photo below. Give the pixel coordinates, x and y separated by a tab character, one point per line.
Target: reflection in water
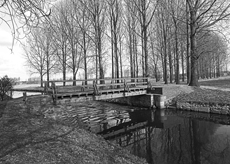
161	137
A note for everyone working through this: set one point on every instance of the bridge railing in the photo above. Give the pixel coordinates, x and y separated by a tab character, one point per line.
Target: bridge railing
95	85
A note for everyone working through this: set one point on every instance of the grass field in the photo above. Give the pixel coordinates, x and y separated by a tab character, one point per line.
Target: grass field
221	83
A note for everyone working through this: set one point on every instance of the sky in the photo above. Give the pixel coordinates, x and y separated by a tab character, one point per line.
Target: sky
12	63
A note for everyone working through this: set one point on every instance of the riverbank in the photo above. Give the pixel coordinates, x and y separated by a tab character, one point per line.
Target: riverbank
38	132
212	97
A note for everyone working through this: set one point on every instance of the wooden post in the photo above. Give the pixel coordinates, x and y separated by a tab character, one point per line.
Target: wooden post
126	87
45	88
24	97
95	88
149	85
11	93
112	87
83	86
54	93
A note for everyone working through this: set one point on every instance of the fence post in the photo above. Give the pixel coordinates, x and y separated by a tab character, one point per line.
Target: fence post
95	88
54	92
11	93
112	87
46	88
149	85
126	87
83	86
24	97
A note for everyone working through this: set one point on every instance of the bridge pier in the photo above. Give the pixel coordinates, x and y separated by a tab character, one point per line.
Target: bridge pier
147	101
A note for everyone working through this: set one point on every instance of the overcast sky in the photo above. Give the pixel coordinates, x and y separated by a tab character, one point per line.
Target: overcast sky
11	63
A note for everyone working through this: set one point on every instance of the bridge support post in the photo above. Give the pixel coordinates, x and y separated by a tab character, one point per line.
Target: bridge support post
159	101
147	101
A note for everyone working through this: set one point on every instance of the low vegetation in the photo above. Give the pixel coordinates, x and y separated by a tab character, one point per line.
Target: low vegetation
33	134
6	84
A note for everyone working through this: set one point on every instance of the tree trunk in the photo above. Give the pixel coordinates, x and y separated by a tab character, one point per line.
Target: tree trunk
116	55
41	79
136	57
187	49
165	62
194	79
74	65
146	52
165	53
177	58
142	54
112	44
85	56
121	58
64	76
131	55
182	61
170	63
194	58
74	79
64	62
101	71
162	62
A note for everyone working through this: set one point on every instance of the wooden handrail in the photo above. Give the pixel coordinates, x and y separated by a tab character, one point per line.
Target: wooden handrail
106	79
123	82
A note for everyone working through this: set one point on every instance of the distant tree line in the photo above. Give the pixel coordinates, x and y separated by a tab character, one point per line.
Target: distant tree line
174	40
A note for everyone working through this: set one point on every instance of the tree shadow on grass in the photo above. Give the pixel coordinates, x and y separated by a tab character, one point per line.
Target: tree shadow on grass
23	134
31	136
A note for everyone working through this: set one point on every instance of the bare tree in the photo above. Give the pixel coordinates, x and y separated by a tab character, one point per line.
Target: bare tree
163	29
73	40
34	54
115	12
204	14
19	15
132	27
146	10
48	47
97	15
84	25
60	38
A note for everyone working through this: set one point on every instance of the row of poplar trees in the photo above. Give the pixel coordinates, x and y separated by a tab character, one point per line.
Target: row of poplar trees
164	39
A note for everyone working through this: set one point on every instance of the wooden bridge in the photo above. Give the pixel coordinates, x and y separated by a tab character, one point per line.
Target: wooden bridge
96	89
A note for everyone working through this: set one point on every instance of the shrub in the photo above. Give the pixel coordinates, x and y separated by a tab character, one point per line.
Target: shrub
6	84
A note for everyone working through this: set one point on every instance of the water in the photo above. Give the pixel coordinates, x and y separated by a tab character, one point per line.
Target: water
162	137
20	94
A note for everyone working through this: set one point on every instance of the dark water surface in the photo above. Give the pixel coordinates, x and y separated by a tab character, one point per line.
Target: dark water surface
161	137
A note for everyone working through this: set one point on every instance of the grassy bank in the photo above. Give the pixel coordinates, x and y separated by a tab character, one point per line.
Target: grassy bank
213	91
32	133
205	96
219	83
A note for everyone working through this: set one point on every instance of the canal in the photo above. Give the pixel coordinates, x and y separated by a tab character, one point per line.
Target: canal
161	137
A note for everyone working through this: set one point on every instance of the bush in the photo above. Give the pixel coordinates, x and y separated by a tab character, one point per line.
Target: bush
6	84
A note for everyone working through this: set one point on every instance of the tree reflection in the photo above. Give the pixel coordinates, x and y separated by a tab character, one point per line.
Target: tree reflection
187	141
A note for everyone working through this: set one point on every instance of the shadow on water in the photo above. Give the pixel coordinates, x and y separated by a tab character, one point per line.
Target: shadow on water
163	137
